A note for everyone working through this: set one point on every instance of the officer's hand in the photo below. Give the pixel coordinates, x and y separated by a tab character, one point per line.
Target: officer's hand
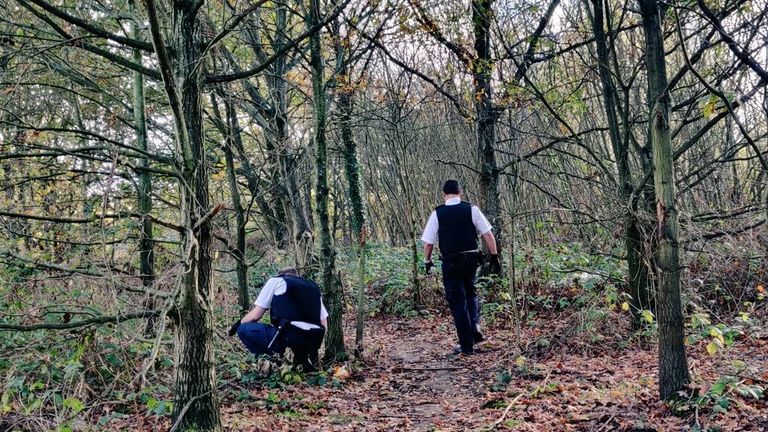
428	267
495	265
233	329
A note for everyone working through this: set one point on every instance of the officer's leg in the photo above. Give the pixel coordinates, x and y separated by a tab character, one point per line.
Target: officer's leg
453	281
257	336
473	302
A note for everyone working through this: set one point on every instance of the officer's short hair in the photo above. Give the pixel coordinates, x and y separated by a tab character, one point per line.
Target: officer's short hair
452	187
288	271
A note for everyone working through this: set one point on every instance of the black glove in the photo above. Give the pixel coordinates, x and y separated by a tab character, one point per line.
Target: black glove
495	265
233	329
428	267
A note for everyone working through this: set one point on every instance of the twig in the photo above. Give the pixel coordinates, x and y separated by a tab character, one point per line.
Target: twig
506	411
207	217
184	410
611	419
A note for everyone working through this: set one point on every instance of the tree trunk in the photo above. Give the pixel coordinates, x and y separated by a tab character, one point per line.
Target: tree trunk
146	242
673	366
195	404
357	214
639	284
487	114
239	252
334	338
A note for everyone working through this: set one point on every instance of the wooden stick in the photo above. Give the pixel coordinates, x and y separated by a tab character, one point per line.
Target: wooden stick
503	415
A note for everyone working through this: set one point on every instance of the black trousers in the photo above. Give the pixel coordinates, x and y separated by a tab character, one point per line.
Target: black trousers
305	345
459	281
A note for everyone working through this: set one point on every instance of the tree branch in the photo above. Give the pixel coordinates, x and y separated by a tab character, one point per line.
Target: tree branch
292	43
81	323
90	28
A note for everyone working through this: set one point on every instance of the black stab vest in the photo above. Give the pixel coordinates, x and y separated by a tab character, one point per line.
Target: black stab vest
456	232
300	302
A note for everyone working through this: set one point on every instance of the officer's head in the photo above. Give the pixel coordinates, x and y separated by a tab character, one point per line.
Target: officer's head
451	187
288	271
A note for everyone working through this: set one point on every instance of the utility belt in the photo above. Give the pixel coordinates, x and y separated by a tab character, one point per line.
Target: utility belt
476	255
285	330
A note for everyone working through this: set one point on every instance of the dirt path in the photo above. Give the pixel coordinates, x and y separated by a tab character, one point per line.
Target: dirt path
411	383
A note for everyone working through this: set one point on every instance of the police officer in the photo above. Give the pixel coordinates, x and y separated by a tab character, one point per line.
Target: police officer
298	319
455	226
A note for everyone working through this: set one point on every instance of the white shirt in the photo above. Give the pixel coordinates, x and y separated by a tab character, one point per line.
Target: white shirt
277	286
478	219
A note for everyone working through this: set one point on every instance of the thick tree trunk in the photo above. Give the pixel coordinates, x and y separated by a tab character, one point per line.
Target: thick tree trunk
195	405
639	284
487	114
673	366
146	241
334	338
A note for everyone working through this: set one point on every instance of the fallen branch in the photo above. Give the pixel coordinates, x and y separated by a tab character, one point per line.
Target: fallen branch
506	411
77	324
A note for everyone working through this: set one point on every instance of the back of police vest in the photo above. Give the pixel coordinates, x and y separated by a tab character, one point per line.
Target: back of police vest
456	232
300	302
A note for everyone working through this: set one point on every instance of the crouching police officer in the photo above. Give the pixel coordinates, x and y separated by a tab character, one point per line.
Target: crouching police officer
455	225
298	319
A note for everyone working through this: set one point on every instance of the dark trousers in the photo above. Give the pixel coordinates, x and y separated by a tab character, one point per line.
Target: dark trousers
303	343
459	282
257	336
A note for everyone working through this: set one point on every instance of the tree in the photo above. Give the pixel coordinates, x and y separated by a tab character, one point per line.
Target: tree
673	366
334	338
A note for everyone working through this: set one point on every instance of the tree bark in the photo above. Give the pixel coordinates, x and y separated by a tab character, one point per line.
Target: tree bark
486	113
239	252
195	404
639	284
334	338
673	366
146	241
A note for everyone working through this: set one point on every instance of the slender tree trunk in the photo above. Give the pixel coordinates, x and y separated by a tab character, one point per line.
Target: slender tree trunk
487	114
195	404
230	130
357	214
639	284
334	339
239	252
673	366
146	241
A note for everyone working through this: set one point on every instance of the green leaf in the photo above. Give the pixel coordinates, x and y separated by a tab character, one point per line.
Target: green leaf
73	404
718	388
712	348
647	316
710	107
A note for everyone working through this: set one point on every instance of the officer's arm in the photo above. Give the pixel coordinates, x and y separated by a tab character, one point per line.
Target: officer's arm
254	315
428	251
490	241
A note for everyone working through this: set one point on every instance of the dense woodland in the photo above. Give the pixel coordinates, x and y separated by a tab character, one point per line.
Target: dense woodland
159	159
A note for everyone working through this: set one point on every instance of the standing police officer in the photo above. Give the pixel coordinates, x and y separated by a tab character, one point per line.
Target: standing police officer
298	319
455	225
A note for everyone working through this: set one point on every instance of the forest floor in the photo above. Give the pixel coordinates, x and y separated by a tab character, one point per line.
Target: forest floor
411	382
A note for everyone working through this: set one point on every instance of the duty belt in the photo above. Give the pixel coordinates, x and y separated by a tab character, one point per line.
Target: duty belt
461	255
